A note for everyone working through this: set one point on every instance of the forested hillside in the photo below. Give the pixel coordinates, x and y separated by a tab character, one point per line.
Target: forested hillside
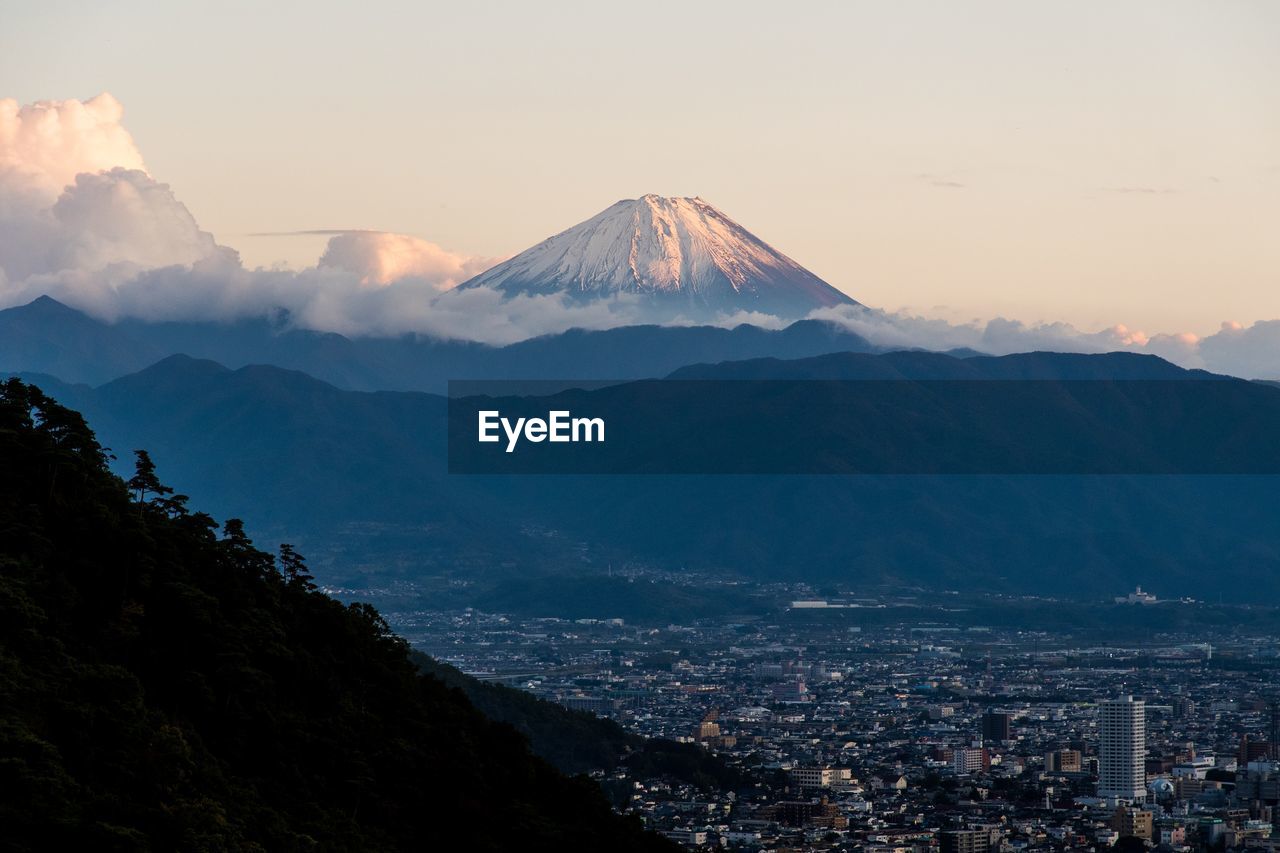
165	685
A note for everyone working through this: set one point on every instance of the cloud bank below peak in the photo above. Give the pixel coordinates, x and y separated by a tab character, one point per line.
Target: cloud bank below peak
83	221
380	258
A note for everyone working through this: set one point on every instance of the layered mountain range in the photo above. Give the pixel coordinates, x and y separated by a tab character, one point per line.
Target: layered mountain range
46	336
299	431
360	481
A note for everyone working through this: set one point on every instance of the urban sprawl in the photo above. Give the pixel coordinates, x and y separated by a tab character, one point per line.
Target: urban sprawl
925	734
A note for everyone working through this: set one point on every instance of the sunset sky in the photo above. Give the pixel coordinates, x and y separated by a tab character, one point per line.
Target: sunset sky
1097	163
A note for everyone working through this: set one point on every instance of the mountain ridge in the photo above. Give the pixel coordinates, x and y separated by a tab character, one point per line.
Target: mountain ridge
246	443
45	336
922	365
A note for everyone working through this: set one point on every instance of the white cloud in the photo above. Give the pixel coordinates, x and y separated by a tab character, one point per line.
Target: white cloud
75	197
123	216
1252	352
114	223
43	146
996	336
379	258
477	314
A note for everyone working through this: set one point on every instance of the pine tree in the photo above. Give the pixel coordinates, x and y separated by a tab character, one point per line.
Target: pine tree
239	548
144	480
294	567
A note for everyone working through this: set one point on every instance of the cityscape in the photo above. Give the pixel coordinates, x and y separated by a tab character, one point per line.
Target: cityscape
912	737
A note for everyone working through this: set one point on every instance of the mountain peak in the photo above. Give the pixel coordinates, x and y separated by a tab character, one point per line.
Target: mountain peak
683	254
46	306
654	198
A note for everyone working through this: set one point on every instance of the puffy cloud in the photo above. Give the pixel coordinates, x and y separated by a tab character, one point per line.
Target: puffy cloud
997	336
43	146
333	300
115	222
75	198
124	216
1181	348
476	314
379	258
1252	351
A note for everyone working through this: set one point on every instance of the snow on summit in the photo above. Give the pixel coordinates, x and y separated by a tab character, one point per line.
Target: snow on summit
686	254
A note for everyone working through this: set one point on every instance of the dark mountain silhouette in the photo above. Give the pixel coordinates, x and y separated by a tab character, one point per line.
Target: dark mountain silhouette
168	686
916	365
360	479
46	336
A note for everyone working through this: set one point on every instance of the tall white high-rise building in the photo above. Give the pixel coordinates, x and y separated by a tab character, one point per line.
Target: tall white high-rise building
1122	748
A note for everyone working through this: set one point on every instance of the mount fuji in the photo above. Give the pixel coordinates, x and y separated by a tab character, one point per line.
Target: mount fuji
682	255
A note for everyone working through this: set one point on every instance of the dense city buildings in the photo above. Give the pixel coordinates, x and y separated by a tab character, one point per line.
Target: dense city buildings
905	723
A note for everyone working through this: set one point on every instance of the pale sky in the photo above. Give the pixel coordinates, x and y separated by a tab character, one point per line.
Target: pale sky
1099	163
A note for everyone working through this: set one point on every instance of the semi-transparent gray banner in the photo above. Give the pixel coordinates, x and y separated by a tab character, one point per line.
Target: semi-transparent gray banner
864	427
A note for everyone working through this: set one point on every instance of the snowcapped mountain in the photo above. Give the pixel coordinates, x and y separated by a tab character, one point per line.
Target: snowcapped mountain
685	254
